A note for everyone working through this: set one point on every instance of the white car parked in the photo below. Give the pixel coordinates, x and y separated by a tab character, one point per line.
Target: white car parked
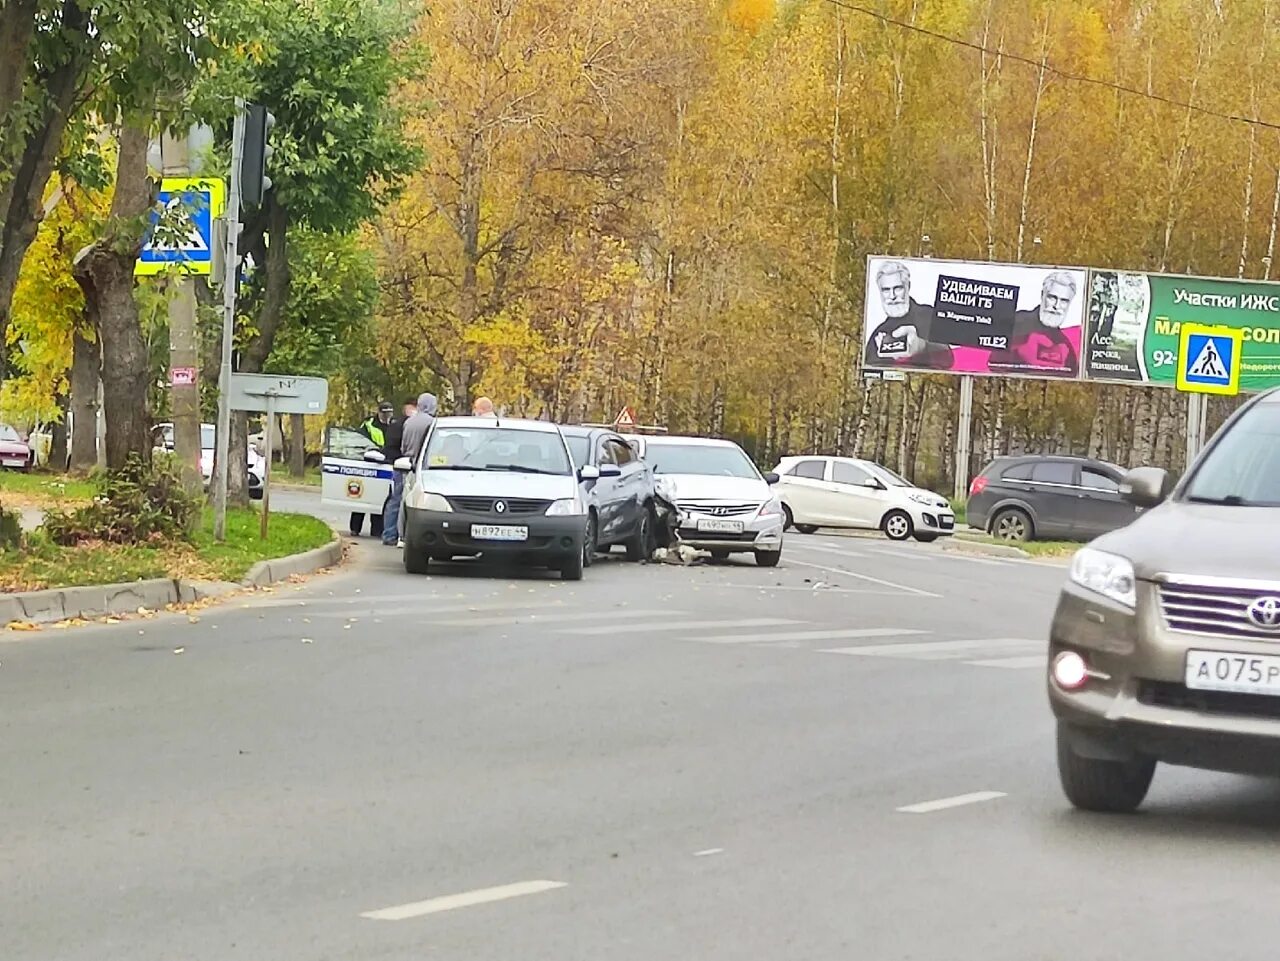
846	492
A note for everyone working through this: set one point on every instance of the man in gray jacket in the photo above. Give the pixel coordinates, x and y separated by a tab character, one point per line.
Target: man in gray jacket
416	429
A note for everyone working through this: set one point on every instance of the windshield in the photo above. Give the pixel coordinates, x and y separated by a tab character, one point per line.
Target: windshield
580	448
9	434
712	459
480	448
889	477
1243	467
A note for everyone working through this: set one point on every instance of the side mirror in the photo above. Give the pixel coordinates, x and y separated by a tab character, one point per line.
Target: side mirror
1146	486
610	470
403	464
589	472
375	457
872	484
772	478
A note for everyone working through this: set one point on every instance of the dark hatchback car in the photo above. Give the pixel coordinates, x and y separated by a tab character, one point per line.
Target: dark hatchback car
620	502
1033	496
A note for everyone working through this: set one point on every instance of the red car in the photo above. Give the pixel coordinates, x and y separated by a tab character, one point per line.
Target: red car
14	452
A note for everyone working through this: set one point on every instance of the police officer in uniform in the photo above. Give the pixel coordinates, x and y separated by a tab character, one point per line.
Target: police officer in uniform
374	428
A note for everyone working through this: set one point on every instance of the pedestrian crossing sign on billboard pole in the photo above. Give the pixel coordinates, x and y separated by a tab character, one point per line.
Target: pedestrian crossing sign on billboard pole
194	203
1209	359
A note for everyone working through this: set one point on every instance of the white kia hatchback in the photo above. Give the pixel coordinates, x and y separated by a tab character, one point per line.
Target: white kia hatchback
846	492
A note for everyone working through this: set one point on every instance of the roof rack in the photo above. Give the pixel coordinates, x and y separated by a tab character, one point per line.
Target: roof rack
630	428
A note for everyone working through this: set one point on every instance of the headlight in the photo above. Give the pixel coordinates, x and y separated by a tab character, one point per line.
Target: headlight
435	502
1105	574
923	499
569	507
771	508
665	489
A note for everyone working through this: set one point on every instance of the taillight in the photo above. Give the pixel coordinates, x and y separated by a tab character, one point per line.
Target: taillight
978	486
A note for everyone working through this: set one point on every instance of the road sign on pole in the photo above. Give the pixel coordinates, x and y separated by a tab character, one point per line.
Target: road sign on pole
1209	359
200	200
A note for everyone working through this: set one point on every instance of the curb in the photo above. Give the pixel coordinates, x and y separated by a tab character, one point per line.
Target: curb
104	600
265	573
960	546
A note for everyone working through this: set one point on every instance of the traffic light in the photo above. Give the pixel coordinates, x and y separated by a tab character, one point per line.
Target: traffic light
254	182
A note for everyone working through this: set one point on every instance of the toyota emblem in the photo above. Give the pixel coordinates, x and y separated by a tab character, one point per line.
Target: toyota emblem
1265	613
500	507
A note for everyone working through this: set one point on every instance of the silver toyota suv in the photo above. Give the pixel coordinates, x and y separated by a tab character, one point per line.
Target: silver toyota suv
1166	641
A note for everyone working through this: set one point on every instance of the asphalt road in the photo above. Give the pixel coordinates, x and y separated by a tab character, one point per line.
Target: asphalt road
656	763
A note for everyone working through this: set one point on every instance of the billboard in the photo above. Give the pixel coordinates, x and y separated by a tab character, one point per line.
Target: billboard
1135	320
973	318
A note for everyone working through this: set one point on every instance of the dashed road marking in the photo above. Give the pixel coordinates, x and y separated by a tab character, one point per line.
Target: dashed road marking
943	804
833	635
708	852
939	650
534	617
674	626
904	588
467	899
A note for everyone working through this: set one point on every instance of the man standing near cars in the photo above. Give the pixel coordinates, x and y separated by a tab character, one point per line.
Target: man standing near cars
416	429
393	439
373	428
483	407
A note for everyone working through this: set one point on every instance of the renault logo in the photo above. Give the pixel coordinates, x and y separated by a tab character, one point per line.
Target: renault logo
500	507
1265	612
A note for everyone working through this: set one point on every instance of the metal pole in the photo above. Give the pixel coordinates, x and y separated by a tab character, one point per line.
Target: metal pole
964	437
266	480
231	272
1195	403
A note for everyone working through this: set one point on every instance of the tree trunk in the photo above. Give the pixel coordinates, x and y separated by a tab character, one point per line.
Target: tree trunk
297	445
58	442
238	461
105	274
27	169
86	364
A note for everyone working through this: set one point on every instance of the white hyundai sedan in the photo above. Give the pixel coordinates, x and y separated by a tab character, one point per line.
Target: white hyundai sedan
850	493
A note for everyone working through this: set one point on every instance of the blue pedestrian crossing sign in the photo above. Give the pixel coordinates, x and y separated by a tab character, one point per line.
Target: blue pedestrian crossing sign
183	241
1209	359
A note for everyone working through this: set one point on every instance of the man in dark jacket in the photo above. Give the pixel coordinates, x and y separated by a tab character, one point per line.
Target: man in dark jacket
393	440
900	340
416	429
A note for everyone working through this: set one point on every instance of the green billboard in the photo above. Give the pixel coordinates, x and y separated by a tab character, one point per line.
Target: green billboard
1134	321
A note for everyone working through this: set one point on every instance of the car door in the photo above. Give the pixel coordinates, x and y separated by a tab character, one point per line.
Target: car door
803	489
629	487
1053	493
1100	506
607	491
852	502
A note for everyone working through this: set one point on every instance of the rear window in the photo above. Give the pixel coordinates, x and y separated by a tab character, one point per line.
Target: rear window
1054	472
812	469
1022	472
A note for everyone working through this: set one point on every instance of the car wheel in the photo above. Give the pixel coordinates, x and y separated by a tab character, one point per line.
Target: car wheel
807	528
926	538
1110	787
1012	524
415	562
768	558
788	519
897	525
571	569
640	544
590	543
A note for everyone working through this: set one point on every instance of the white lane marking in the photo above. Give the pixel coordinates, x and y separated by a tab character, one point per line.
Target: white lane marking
370	606
467	899
1014	663
708	852
960	800
538	617
970	559
836	635
864	577
939	650
680	626
807	588
908	554
827	549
